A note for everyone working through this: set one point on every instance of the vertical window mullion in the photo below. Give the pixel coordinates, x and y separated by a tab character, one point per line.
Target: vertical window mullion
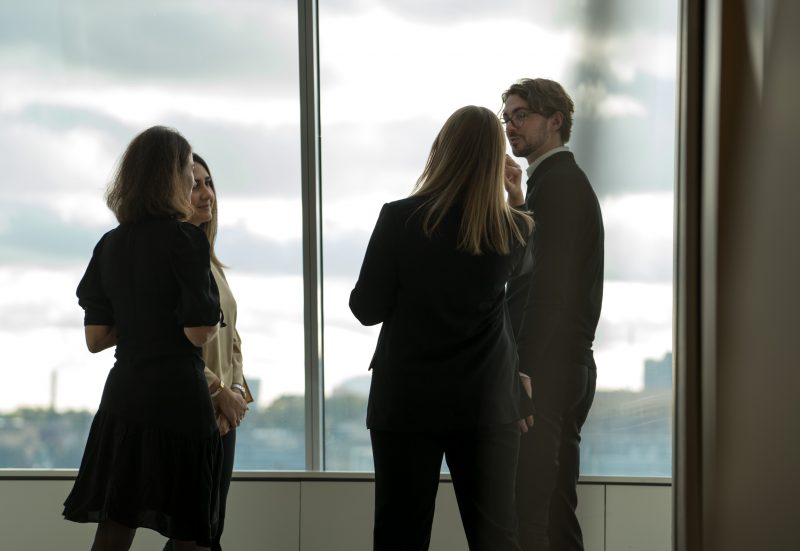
312	233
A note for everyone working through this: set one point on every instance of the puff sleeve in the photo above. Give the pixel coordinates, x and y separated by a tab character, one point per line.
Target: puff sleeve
198	301
91	295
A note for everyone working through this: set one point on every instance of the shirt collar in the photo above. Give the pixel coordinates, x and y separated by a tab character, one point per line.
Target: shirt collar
535	164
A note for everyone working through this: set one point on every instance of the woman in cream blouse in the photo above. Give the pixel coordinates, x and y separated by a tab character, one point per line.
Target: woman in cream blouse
223	355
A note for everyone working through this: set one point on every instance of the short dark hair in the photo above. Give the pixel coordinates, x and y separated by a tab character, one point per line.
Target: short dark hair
545	97
147	182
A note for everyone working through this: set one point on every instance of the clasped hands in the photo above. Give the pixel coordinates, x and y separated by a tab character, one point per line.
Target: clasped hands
231	408
527	422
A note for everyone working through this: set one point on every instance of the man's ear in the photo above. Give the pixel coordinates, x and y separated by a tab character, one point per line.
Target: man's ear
556	120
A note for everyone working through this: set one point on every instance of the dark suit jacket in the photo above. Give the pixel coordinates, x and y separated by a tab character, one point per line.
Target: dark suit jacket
445	358
555	300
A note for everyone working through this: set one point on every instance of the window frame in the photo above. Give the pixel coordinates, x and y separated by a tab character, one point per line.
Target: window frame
311	193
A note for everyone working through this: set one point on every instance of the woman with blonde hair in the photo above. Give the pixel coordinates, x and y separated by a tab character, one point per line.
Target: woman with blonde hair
445	381
152	458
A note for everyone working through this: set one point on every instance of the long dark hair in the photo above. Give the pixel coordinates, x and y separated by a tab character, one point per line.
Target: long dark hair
210	227
148	181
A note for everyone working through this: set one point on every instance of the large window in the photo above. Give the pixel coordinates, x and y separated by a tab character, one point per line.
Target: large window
393	72
79	79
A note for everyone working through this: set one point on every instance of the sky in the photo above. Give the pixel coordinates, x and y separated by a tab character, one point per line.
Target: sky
79	79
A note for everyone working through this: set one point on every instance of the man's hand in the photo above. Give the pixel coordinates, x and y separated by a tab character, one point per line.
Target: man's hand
513	182
527	385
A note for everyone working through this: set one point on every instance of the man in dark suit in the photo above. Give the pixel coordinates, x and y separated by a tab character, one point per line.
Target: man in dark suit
554	301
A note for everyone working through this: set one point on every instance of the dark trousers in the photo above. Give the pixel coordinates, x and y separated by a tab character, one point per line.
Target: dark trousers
228	450
549	461
482	464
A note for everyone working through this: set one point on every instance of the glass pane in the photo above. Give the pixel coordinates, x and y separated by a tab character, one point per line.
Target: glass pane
392	73
77	81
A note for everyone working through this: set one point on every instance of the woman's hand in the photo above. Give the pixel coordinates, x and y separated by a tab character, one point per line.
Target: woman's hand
231	405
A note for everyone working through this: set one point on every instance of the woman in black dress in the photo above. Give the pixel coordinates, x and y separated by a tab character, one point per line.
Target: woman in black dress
153	454
444	375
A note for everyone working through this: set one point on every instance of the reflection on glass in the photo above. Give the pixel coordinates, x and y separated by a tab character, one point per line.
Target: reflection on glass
618	61
72	95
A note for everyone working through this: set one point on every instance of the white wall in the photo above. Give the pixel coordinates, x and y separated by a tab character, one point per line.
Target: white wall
330	512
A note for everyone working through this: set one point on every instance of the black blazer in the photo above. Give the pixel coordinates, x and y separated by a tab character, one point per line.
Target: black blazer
555	300
445	358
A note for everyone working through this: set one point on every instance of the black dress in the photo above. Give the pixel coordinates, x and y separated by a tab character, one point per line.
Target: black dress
153	454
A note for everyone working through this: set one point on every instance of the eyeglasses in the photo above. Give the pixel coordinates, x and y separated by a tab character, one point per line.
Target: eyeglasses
517	118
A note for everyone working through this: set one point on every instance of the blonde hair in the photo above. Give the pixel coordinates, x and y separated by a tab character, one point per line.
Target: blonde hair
466	166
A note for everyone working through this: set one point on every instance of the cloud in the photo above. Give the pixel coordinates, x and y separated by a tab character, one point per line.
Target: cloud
79	79
248	160
51	151
638	244
620	16
639	237
40	297
639	234
379	158
624	156
630	153
595	101
606	16
33	235
37	235
174	41
381	106
628	55
53	157
245	252
64	123
139	103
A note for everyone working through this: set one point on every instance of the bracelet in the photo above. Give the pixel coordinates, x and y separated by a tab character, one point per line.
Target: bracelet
240	388
219	389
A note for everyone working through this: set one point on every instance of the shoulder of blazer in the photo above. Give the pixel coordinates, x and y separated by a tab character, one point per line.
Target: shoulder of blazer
559	178
400	211
561	161
406	205
563	169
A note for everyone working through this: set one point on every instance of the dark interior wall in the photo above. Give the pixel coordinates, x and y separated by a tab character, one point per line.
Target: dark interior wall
754	501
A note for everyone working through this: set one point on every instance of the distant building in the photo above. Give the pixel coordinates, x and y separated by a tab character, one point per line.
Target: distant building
658	373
